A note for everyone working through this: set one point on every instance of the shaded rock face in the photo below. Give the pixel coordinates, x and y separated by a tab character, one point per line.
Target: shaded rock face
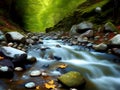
100	47
81	28
10	51
116	51
15	36
115	40
6	69
19	60
72	79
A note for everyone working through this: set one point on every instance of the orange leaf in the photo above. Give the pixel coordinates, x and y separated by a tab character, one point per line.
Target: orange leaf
1	58
63	66
51	82
50	85
37	87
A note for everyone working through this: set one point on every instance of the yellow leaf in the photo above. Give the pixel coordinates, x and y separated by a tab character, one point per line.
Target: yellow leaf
50	86
63	66
51	82
38	87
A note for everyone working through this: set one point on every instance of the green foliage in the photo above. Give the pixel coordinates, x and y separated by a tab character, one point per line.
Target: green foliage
37	15
92	7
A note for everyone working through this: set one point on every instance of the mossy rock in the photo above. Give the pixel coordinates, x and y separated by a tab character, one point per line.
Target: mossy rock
72	79
110	27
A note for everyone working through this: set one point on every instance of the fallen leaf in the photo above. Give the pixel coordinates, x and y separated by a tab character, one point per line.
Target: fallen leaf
1	58
62	66
51	82
50	85
37	87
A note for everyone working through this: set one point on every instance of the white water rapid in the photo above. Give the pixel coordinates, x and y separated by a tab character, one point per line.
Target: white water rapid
96	67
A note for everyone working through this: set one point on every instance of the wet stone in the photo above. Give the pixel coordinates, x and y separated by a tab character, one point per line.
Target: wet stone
18	69
35	73
30	85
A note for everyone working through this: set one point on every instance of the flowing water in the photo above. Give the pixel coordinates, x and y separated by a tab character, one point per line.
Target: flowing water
97	67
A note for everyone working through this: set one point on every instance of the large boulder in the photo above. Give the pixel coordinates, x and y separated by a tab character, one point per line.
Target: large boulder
10	51
19	58
72	79
81	28
84	26
115	40
15	36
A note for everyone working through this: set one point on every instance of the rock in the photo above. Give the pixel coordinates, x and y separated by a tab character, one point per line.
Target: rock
43	48
35	38
73	89
7	62
4	68
80	28
20	60
58	46
88	34
31	59
18	69
3	43
10	44
100	47
82	39
30	85
15	36
98	9
10	51
116	51
96	37
2	36
40	41
109	27
83	26
44	74
6	72
35	73
115	40
30	41
72	79
57	58
73	30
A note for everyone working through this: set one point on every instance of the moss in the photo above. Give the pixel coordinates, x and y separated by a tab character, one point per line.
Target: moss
72	79
92	7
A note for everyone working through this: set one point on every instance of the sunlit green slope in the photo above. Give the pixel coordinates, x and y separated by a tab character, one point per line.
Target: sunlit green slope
37	15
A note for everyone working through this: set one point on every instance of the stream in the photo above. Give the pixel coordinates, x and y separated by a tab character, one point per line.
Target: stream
95	66
98	68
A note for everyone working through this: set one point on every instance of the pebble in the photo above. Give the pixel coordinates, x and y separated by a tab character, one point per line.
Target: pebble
30	85
10	44
73	89
35	73
4	68
44	74
18	69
